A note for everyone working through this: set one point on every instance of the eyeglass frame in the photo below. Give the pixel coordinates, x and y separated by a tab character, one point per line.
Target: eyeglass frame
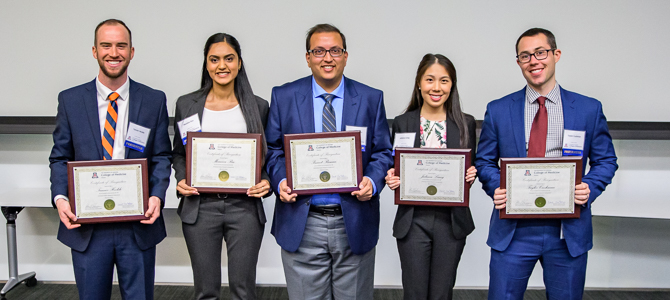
311	51
535	55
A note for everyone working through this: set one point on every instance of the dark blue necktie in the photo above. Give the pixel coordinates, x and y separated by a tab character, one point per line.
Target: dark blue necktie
328	115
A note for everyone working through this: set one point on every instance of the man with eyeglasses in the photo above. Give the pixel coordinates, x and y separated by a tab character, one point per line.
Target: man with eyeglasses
328	241
543	120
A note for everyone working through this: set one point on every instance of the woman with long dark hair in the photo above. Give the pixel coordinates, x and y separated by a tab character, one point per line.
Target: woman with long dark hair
225	102
431	239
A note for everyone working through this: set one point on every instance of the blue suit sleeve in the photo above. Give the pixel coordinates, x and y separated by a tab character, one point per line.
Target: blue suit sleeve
161	156
488	155
61	153
602	158
380	158
275	162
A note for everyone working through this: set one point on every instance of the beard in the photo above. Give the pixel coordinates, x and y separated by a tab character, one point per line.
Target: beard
112	74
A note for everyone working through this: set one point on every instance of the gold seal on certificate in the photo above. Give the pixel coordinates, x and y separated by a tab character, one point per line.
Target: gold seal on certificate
540	187
223	162
106	191
430	176
323	163
223	176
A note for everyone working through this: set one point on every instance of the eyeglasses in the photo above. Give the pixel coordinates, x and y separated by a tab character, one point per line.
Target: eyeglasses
320	52
539	55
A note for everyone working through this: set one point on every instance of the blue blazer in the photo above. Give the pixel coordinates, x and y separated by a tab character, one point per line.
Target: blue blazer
292	111
77	137
503	135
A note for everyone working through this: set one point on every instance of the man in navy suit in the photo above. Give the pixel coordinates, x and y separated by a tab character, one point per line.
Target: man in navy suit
509	128
328	241
79	136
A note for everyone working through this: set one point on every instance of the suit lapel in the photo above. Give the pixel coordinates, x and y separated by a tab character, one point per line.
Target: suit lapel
351	105
197	107
453	134
569	113
305	105
134	104
414	125
90	100
518	126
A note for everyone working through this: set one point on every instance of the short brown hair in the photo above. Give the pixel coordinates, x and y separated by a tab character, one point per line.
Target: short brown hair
111	22
551	39
324	28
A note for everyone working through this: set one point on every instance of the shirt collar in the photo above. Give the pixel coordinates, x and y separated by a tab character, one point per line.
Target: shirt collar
553	96
104	91
317	90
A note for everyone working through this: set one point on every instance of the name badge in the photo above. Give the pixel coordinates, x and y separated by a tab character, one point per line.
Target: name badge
191	123
573	142
404	140
364	134
136	137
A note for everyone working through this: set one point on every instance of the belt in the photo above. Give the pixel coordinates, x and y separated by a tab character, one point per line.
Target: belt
326	210
213	196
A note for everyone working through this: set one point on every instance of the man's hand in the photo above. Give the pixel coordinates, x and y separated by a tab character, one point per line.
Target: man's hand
470	174
365	192
154	210
285	193
582	193
65	213
259	190
391	180
186	190
500	198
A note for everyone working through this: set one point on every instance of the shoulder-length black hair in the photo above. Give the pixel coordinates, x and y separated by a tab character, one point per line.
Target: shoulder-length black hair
243	92
453	103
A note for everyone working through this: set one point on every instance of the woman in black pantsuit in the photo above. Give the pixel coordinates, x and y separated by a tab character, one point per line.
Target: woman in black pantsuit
224	103
431	239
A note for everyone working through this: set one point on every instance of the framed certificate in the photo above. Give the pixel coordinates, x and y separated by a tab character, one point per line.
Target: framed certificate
431	176
323	163
105	191
540	187
219	162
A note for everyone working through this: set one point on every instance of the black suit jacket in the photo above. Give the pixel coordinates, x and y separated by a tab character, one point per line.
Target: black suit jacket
188	105
461	218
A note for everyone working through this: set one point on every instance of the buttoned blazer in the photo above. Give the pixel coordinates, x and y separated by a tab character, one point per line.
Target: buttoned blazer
461	218
77	138
503	135
292	111
188	105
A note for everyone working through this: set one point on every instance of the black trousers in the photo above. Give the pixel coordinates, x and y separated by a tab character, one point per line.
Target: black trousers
429	255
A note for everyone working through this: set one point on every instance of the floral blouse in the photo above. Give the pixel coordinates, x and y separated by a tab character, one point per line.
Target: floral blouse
433	133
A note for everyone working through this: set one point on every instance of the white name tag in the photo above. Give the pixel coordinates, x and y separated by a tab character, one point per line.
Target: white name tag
573	142
404	140
136	137
364	134
191	123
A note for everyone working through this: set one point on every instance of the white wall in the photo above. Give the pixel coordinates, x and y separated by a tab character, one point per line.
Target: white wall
614	50
628	252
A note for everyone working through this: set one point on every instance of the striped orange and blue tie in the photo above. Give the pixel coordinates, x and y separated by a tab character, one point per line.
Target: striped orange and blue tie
110	126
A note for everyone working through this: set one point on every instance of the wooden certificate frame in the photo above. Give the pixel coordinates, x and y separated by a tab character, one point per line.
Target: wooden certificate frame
101	166
540	162
253	138
312	140
433	153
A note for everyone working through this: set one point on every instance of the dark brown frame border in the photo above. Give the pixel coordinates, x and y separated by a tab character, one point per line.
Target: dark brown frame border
324	135
216	135
529	160
466	189
95	163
